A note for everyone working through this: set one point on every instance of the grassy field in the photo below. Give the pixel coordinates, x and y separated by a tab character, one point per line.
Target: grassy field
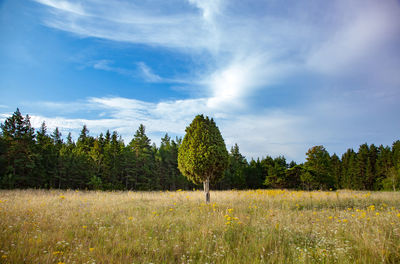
261	226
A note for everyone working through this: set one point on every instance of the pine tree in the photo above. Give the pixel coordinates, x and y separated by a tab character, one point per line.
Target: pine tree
234	177
318	164
45	169
19	136
255	174
3	160
349	170
145	162
57	146
371	174
293	176
96	154
362	162
336	167
276	173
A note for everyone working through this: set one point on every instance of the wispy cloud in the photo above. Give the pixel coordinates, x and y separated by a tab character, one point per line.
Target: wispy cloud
66	6
129	22
345	54
141	71
274	131
252	46
106	65
148	74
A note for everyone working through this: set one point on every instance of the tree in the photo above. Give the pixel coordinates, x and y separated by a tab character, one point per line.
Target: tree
393	179
293	176
234	176
202	156
255	173
45	168
276	173
349	170
318	163
336	167
362	165
145	161
18	136
384	163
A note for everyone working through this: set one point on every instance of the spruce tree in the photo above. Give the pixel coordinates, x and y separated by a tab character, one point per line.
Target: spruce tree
144	158
19	135
234	177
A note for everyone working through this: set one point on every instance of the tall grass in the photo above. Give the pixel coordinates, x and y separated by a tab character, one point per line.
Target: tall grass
262	226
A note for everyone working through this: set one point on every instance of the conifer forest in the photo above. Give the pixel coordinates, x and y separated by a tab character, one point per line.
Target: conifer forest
40	158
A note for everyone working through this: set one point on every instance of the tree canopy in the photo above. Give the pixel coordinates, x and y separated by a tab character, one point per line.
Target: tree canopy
46	159
202	156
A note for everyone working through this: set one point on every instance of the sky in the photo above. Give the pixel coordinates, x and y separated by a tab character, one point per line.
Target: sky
277	76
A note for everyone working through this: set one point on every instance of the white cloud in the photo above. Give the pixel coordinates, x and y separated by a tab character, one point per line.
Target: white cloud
140	71
270	132
210	8
128	22
361	37
250	50
66	6
148	74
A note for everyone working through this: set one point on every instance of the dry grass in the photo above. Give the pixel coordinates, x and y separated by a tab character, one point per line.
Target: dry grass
263	226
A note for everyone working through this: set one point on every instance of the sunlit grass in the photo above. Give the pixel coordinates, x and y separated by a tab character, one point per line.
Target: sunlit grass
261	226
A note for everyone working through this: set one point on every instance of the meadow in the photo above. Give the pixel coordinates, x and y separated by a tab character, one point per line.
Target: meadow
255	226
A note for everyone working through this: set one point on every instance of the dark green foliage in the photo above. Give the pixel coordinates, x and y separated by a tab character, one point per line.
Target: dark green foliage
318	168
276	173
234	176
202	155
40	160
255	174
336	168
3	159
348	174
293	176
167	160
144	161
19	139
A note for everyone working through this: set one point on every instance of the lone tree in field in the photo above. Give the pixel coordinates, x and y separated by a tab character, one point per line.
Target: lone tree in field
202	156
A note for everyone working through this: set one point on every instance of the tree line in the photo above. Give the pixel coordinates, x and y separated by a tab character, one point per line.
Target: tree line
43	159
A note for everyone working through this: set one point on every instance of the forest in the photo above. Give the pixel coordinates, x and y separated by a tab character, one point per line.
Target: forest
44	159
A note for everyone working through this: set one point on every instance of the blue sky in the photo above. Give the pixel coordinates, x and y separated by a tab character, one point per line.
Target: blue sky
278	76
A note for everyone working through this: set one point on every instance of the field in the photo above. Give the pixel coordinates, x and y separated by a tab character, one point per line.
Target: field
261	226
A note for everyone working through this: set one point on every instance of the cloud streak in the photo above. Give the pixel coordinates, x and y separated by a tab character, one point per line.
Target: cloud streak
331	61
252	48
271	130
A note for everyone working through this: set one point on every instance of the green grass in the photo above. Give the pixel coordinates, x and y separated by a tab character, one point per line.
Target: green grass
263	226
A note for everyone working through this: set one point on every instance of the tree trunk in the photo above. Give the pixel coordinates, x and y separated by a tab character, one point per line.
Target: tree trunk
206	185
